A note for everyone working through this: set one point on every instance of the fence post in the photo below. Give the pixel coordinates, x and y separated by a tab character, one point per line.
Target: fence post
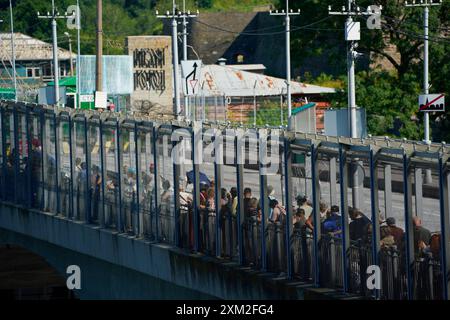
195	131
237	143
288	201
176	185
137	151
43	158
72	150
375	217
409	229
16	156
119	177
316	212
56	124
262	141
155	172
101	208
343	181
218	186
87	142
4	160
445	222
29	163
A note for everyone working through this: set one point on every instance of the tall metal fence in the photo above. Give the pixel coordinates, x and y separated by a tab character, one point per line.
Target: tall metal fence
210	189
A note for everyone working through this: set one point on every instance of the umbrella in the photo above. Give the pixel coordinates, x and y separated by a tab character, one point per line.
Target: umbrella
203	178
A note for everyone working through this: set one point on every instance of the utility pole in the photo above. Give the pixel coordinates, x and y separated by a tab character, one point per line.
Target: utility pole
13	51
70	50
53	16
176	14
99	60
352	36
287	14
186	15
425	4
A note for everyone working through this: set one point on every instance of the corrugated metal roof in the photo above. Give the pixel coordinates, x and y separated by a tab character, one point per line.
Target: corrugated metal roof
248	67
229	81
29	48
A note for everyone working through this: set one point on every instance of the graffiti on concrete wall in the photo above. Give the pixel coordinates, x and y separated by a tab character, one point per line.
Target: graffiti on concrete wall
149	58
149	73
143	106
150	80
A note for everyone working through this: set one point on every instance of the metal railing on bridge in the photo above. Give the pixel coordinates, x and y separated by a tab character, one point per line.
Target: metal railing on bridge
197	187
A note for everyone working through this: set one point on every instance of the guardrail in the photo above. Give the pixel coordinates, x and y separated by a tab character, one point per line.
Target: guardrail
188	185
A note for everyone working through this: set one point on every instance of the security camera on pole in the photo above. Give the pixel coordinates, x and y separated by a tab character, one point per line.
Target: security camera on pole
174	16
352	36
53	16
287	14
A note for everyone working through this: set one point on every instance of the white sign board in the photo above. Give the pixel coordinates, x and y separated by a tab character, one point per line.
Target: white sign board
100	99
432	102
191	70
352	31
87	98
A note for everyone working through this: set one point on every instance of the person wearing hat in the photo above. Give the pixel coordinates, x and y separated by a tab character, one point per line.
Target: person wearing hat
395	231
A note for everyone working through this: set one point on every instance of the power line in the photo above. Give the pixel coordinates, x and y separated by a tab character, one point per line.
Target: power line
246	33
415	35
412	32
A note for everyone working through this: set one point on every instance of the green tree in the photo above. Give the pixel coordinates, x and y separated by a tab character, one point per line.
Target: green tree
382	93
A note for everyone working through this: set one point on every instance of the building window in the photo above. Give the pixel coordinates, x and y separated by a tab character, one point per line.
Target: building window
48	71
33	72
240	58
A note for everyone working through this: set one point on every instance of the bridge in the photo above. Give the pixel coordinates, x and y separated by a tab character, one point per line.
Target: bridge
172	204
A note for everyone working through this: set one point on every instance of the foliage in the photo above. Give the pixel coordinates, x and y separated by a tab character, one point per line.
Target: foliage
391	98
268	113
121	18
205	3
390	103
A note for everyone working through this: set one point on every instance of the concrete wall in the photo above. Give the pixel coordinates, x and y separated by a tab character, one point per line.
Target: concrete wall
209	276
153	75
